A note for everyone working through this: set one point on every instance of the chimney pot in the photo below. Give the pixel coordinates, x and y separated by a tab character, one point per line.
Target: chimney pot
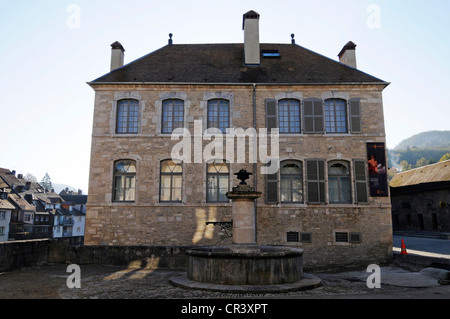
251	38
347	55
117	55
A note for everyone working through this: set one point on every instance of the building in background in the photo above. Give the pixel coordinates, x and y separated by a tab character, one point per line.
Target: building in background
421	198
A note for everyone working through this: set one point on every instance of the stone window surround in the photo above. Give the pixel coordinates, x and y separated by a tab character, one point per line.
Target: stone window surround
158	106
126	95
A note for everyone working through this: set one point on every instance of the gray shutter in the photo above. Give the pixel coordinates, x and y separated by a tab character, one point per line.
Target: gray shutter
315	181
318	116
355	115
271	188
313	115
271	114
360	181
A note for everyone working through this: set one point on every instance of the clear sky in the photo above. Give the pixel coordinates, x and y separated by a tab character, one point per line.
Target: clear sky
49	49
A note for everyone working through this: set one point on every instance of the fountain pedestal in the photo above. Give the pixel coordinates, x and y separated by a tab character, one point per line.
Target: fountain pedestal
244	218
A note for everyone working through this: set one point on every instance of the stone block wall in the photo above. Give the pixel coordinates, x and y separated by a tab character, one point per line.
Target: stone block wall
147	221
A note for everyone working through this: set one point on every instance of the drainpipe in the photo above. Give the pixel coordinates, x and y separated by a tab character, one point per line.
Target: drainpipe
255	168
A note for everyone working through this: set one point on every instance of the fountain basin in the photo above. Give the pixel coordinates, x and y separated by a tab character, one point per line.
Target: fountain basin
260	265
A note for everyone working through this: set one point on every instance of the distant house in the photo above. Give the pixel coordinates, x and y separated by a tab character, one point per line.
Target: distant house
421	198
37	213
5	211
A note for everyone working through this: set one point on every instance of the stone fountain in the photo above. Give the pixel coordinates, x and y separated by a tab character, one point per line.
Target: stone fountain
245	266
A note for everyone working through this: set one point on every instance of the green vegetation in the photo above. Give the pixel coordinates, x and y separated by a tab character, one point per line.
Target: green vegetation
420	150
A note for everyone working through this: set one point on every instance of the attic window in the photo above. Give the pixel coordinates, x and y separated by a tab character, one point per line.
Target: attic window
271	54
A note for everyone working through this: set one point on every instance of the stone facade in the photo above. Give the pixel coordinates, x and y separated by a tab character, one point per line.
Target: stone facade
148	221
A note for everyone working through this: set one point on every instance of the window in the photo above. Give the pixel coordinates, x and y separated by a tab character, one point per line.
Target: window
289	116
217	182
291	174
124	181
2	214
339	182
271	54
219	114
172	115
336	116
171	181
315	181
127	117
2	231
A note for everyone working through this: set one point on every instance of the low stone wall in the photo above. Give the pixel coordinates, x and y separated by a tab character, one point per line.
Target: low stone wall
131	256
23	253
27	253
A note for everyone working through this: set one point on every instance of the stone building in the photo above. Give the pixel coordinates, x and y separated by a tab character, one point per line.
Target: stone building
324	198
421	197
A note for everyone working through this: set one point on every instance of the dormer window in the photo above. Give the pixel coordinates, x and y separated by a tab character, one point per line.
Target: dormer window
271	54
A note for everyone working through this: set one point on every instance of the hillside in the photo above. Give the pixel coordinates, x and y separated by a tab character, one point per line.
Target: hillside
426	140
420	149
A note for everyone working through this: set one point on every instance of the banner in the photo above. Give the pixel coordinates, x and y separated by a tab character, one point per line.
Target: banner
376	158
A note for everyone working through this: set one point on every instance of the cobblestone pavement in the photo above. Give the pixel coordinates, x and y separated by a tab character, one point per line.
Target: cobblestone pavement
111	282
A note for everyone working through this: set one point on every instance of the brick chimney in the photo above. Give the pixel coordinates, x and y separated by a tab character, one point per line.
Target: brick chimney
347	55
251	38
117	55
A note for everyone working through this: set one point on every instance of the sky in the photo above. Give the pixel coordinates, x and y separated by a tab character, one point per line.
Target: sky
50	49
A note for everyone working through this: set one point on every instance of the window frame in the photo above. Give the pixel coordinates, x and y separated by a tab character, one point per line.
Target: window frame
335	118
125	176
217	175
292	129
164	104
172	175
216	123
128	119
340	179
290	178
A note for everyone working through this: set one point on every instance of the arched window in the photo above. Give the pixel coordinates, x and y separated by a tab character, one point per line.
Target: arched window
219	114
124	181
336	116
172	115
339	188
291	176
171	181
218	179
289	116
127	117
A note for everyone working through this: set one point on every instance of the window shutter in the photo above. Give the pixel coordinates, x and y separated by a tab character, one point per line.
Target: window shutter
271	114
315	180
355	115
272	189
313	115
360	181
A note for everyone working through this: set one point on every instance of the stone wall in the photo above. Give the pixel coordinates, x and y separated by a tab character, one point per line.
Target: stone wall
427	210
17	254
146	221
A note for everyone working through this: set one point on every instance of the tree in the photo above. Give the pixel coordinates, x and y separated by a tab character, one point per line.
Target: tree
445	157
46	182
405	165
422	162
30	177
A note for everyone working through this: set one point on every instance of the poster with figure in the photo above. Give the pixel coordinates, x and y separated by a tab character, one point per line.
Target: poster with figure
376	159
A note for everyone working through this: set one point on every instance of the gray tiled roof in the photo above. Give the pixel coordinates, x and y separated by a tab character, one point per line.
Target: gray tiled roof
223	63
